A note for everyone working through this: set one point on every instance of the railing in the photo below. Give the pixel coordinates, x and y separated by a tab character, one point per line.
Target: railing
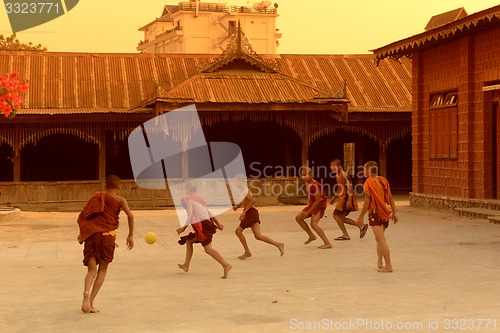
166	32
221	8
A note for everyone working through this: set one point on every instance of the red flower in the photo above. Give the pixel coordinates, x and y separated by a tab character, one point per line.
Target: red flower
10	90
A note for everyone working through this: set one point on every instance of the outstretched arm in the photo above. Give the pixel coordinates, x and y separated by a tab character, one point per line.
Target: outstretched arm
130	218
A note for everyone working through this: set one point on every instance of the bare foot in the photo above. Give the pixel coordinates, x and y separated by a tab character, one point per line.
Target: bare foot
92	309
385	270
226	271
183	267
86	302
245	255
325	246
379	264
313	238
281	247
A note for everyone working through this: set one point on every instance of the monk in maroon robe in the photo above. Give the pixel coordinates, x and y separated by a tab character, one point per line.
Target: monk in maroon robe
98	222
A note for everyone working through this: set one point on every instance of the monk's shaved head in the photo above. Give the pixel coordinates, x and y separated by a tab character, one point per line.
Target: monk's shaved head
113	182
371	167
336	162
307	171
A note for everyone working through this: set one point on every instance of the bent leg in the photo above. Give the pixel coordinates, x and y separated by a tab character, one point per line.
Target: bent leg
241	237
321	233
189	254
99	280
218	257
340	221
89	279
300	218
259	236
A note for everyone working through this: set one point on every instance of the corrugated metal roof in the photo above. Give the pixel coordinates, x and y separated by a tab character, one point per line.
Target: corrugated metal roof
105	82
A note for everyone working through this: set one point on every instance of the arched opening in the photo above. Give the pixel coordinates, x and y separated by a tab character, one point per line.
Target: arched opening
60	157
6	163
269	150
399	165
353	149
117	157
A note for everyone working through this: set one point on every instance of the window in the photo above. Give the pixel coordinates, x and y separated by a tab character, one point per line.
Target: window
349	160
232	26
443	126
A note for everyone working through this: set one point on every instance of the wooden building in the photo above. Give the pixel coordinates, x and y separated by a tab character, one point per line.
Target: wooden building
456	117
282	110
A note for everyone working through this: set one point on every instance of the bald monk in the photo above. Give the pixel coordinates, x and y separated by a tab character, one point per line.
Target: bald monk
346	202
250	219
377	197
314	210
98	222
204	225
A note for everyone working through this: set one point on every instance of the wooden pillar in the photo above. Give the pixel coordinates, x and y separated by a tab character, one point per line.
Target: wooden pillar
185	159
102	156
382	165
305	143
17	163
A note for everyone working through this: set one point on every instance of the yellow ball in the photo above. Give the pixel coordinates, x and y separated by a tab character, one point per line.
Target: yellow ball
150	238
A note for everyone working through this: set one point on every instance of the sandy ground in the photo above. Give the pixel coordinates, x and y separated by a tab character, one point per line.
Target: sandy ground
447	270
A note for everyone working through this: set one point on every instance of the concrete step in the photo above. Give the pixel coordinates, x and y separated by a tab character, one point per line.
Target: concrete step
494	219
478	213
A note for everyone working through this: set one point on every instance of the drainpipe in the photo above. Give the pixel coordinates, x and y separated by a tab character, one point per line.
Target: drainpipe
196	8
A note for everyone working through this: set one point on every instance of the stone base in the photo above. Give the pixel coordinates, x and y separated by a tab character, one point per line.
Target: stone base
451	203
9	214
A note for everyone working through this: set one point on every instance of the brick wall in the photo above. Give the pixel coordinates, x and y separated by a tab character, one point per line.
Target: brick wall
464	64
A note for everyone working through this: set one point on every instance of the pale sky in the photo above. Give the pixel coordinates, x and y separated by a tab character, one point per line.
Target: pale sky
308	26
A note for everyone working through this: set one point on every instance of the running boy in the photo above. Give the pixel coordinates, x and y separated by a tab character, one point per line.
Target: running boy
250	219
314	210
204	226
377	197
98	222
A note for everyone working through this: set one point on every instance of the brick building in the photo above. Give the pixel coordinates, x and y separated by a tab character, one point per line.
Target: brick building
455	117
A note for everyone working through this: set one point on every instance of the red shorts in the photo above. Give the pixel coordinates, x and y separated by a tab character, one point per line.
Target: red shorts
99	246
251	217
374	219
319	210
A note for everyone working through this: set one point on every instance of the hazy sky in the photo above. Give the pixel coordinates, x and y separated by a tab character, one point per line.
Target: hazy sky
308	26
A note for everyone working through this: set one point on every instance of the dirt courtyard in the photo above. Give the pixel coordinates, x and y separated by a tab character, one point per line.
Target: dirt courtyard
446	278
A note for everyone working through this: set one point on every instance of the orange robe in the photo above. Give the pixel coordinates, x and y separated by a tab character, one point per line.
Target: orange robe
343	194
380	196
100	214
98	218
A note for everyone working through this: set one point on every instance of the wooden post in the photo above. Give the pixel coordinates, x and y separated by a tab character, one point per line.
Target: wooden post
102	157
288	154
305	143
382	166
185	159
17	163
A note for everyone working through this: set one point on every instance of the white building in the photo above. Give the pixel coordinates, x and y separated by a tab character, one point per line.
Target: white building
204	27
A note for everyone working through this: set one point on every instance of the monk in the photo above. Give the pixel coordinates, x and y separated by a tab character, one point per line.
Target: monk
98	222
204	225
346	202
377	197
314	210
250	219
